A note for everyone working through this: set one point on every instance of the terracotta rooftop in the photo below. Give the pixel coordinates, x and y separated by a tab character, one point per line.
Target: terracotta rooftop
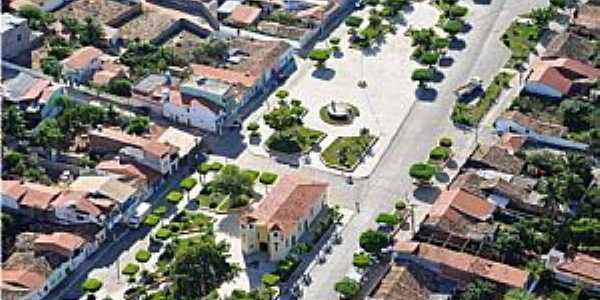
463	202
512	142
64	242
498	158
287	202
583	267
400	283
244	15
588	15
29	280
450	260
82	57
130	169
148	145
13	189
78	200
560	73
179	99
535	124
39	196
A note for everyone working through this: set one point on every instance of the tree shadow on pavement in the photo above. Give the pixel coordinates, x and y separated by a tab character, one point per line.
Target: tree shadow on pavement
426	94
438	76
446	62
427	194
338	54
442	177
452	164
483	2
229	144
323	73
466	28
457	44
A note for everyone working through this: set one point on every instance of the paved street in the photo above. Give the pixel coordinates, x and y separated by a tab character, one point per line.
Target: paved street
483	56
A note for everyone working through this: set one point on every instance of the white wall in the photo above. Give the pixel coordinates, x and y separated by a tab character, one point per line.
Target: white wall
196	116
68	215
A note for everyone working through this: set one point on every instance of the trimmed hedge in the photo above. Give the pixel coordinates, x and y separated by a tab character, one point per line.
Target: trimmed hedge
353	21
253	174
204	168
390	219
270	279
439	153
92	285
216	166
361	260
130	269
422	171
160	211
446	142
268	178
347	287
163	233
143	256
174	197
282	94
151	220
188	183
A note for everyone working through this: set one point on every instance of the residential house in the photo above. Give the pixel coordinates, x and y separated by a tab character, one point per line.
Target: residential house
495	158
572	46
158	156
12	193
36	201
132	173
33	95
500	191
41	262
586	19
201	104
16	35
536	131
460	214
243	16
402	283
512	142
461	267
78	207
109	70
80	66
561	77
575	270
107	190
280	219
187	144
227	8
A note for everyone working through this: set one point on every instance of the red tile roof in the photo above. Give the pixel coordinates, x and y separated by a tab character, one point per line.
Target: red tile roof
30	280
13	189
464	202
78	200
39	196
178	99
36	89
244	14
560	73
582	267
287	202
82	57
63	242
153	147
452	260
129	168
229	76
512	142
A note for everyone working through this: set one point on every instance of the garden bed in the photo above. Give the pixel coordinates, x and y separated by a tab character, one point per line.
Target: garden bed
472	115
298	139
521	39
356	148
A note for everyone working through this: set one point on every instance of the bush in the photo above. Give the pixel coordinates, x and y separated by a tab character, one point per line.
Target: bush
253	126
457	11
452	27
174	197
421	171
429	58
335	40
422	75
216	166
188	183
268	178
353	21
282	94
320	56
446	142
163	233
390	219
130	269
373	241
347	287
143	256
160	211
559	3
252	174
400	204
361	260
151	220
91	285
270	279
439	153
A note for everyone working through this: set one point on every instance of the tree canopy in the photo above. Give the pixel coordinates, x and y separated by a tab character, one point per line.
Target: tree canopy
373	241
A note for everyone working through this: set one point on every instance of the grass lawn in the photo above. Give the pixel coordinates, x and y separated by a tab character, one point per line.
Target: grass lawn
472	115
294	140
211	200
356	147
521	40
143	256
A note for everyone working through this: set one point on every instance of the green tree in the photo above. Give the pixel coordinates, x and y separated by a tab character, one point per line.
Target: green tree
138	125
51	67
13	122
49	135
262	293
200	268
542	16
91	33
119	87
423	76
36	18
575	114
453	27
212	52
517	294
231	181
478	289
373	241
347	287
319	56
430	58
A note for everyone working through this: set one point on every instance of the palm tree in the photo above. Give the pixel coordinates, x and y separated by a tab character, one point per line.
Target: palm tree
553	190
